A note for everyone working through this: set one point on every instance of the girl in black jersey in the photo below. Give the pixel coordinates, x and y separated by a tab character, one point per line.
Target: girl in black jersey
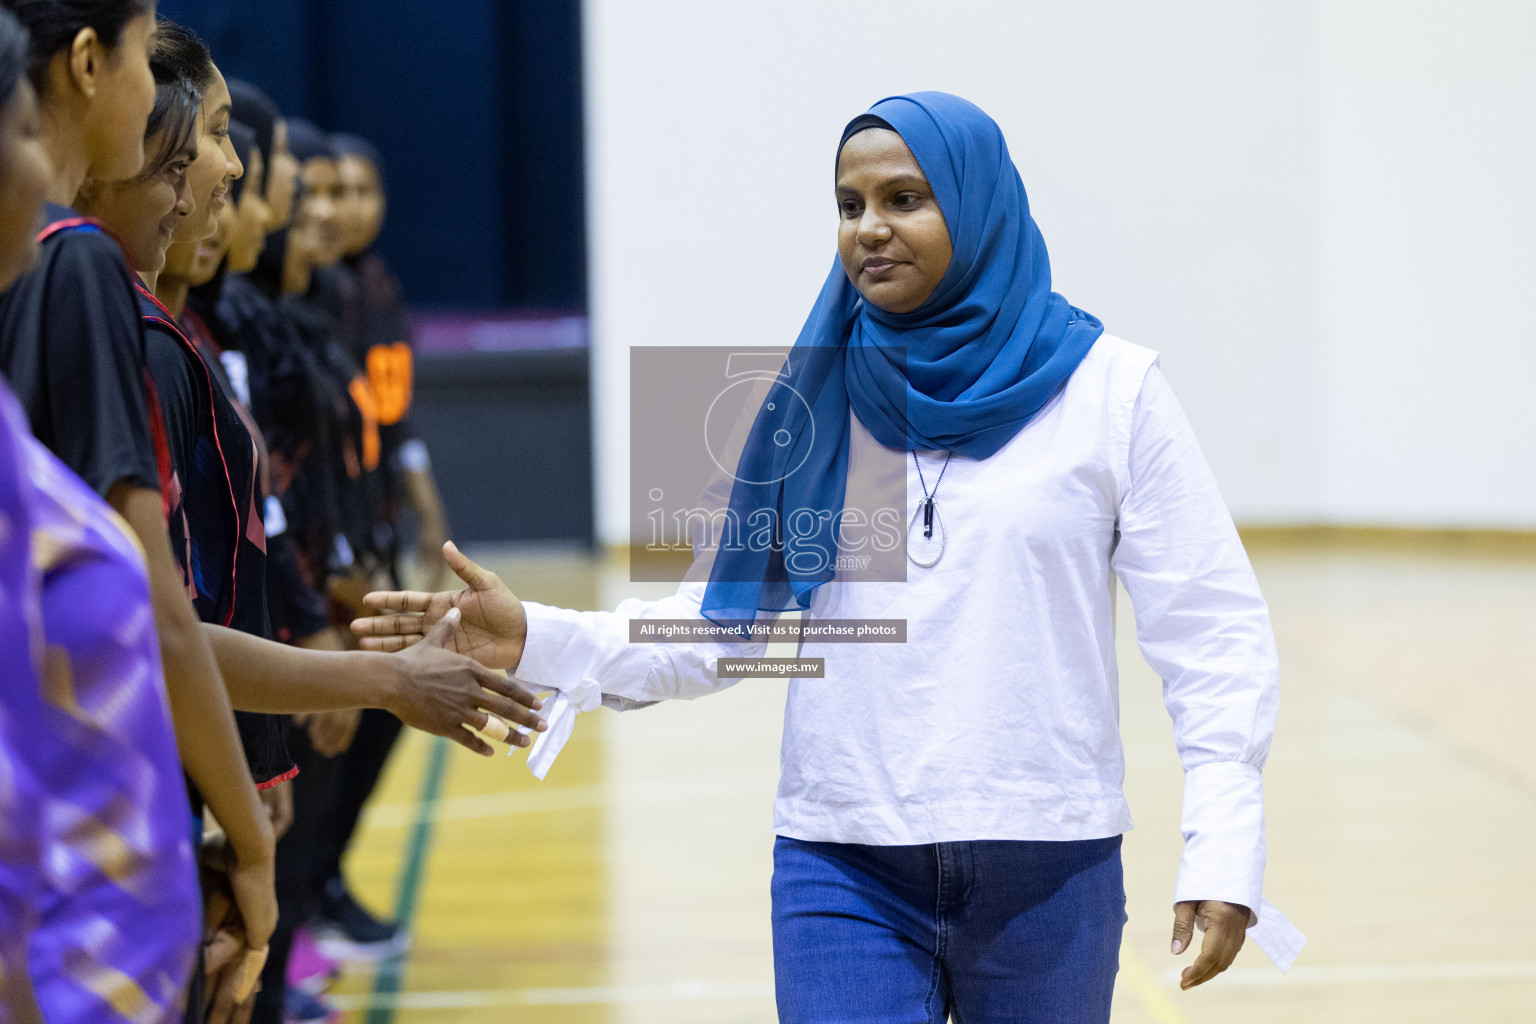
373	327
342	927
352	469
213	494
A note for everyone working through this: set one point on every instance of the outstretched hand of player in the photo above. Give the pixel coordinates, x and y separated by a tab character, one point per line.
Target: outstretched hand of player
491	631
444	692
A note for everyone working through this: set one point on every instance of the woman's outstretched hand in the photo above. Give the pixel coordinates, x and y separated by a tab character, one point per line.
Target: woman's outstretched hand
492	630
1225	924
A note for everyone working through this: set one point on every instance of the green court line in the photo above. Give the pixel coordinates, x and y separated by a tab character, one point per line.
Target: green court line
386	983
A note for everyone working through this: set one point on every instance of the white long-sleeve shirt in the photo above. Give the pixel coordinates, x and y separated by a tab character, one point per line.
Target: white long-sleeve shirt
999	716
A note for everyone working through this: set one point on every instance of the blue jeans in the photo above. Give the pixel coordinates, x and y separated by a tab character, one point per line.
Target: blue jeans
991	932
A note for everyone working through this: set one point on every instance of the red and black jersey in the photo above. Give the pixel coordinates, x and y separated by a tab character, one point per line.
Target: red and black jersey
215	499
73	346
73	351
248	322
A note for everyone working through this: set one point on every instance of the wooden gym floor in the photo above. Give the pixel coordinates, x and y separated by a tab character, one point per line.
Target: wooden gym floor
632	886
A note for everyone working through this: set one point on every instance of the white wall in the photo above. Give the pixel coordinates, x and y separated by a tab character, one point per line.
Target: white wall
1321	214
1426	151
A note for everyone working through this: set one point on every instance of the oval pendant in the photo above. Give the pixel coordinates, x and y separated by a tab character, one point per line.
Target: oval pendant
926	542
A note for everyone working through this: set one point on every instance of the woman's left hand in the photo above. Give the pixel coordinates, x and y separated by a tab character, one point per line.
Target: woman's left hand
1225	925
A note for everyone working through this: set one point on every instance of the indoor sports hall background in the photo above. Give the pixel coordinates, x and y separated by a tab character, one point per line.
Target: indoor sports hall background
1319	213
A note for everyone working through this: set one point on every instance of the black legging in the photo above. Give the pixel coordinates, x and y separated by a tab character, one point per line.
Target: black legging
297	891
357	773
328	798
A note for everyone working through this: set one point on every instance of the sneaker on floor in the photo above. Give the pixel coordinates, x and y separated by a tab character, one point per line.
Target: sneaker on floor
309	970
343	930
299	1007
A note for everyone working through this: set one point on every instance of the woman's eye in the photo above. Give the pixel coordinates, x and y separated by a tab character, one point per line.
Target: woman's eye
849	208
907	200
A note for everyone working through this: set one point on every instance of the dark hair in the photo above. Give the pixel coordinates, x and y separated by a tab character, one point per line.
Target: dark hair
174	120
250	106
862	123
13	54
347	144
53	25
268	274
180	77
243	138
307	142
179	53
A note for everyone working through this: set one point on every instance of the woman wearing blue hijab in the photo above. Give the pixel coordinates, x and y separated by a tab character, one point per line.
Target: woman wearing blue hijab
950	809
937	338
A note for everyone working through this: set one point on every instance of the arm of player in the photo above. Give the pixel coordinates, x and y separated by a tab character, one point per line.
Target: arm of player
202	718
429	687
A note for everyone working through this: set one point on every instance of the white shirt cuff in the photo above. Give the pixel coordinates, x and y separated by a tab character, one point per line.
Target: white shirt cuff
561	711
1223	826
539	665
565	646
1224	852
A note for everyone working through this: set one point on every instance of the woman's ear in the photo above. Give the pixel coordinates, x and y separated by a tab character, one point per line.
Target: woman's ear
85	57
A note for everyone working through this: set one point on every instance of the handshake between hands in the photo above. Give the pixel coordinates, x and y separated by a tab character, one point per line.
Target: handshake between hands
484	623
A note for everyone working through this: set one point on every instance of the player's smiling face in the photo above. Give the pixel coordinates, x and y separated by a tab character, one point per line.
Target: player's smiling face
145	211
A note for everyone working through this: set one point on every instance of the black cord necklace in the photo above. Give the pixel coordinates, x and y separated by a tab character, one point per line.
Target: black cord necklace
929	511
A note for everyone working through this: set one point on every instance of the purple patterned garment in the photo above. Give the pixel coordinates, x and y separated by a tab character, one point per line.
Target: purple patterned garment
21	640
117	911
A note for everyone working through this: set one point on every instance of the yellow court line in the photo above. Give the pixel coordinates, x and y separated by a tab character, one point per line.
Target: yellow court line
1149	992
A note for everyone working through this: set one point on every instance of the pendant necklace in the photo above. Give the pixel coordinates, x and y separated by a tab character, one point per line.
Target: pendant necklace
929	511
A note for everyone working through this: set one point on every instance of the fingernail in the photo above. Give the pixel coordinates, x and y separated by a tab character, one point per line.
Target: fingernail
1178	947
538	705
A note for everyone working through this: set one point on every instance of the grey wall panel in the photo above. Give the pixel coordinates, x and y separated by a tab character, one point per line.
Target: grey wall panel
511	443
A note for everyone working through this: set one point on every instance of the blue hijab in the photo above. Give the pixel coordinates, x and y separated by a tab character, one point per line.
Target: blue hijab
964	372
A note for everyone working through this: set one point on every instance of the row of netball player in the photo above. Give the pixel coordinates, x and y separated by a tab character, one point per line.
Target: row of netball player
203	442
